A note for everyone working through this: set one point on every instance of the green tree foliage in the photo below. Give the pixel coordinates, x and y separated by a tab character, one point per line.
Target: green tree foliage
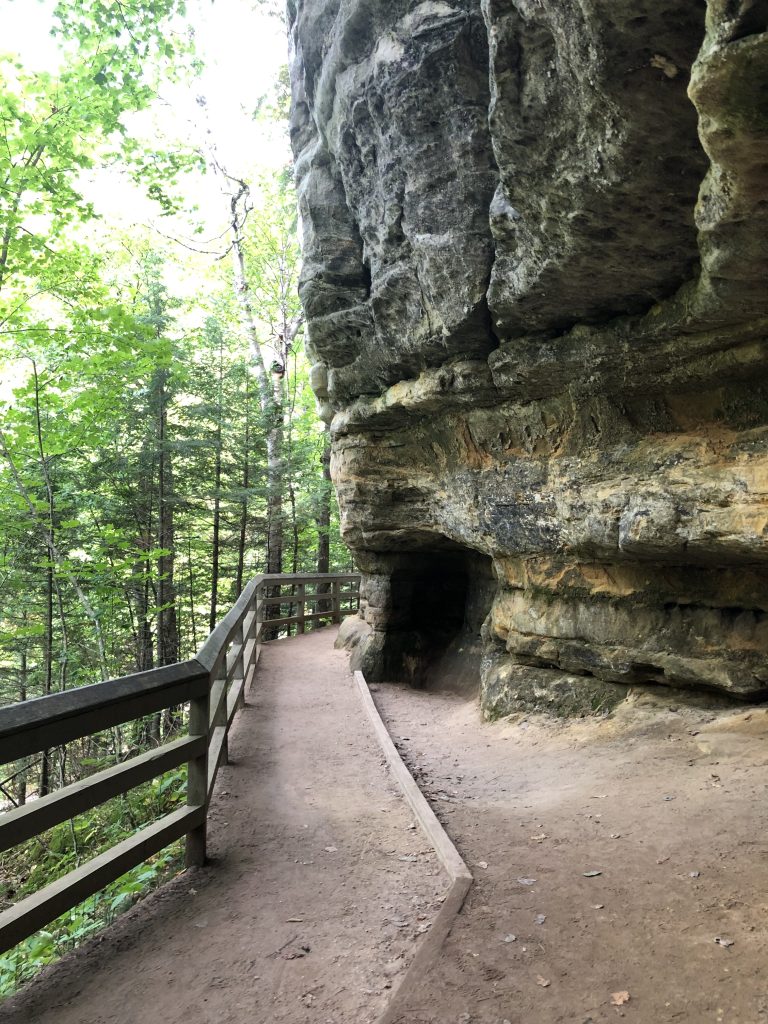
56	127
158	445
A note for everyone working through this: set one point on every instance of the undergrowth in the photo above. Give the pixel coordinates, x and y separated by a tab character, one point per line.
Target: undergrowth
40	861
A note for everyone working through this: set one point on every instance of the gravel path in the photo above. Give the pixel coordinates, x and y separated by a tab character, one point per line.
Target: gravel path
318	892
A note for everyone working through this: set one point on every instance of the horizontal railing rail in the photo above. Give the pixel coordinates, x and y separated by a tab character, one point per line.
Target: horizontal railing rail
214	684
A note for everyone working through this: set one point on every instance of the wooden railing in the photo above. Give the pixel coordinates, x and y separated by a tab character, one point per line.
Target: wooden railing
214	684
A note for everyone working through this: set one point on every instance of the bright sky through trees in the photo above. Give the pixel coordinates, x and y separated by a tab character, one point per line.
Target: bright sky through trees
242	50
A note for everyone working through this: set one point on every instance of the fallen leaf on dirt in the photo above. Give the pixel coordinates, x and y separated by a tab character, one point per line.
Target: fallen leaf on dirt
694	874
662	860
600	796
598	906
540	919
509	938
331	849
295	920
538	838
544	982
619	998
527	881
482	864
726	943
615	835
410	858
668	798
591	874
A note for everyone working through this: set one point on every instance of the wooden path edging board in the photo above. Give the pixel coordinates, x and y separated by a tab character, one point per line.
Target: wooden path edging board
458	872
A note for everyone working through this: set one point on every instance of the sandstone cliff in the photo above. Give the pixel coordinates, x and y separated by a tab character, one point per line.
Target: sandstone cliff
536	269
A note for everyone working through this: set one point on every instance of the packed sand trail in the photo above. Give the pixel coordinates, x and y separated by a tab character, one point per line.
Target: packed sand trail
319	890
609	855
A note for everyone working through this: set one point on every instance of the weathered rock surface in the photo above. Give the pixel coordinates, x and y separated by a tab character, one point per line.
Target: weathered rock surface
536	283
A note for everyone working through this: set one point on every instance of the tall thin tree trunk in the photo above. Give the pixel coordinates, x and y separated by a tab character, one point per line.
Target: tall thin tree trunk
275	474
45	781
246	484
167	630
143	634
191	588
294	528
270	401
216	536
217	492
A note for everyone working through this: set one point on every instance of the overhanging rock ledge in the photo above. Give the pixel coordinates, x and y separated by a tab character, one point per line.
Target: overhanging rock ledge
536	269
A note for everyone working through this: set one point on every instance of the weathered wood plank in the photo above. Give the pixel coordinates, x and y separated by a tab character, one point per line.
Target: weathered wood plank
234	657
285	620
197	780
22	823
249	622
34	725
215	752
218	691
249	676
346	595
218	722
311	577
301	598
236	672
250	652
234	700
289	620
212	653
32	913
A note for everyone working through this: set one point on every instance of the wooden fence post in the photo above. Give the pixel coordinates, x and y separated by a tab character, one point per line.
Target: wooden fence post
301	597
336	601
258	607
197	780
239	669
220	711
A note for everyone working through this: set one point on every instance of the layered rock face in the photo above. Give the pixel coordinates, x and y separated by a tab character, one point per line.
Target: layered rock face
536	285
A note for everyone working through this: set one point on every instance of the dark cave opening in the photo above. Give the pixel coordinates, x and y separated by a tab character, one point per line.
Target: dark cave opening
440	600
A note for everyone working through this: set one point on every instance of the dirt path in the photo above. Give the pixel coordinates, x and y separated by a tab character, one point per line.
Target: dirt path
308	913
669	805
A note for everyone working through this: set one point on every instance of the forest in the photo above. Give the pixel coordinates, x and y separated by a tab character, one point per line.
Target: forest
159	443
